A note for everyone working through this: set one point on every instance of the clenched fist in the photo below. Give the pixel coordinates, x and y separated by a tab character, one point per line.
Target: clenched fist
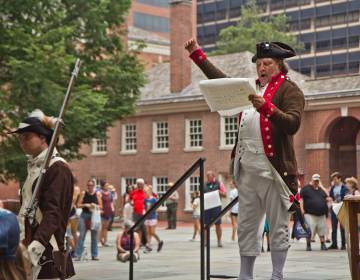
191	45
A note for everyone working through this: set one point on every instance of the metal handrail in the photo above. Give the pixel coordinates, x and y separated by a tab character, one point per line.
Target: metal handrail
207	228
198	164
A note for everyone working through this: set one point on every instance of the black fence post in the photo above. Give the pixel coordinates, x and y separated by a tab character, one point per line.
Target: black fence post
131	262
202	241
207	228
208	253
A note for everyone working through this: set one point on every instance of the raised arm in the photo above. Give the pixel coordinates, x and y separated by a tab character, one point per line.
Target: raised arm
199	57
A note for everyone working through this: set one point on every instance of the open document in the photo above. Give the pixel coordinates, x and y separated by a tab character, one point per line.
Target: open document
228	95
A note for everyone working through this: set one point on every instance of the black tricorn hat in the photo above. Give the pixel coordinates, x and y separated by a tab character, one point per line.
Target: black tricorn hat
273	50
38	123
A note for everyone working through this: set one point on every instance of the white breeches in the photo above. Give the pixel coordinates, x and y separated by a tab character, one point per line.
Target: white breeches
261	191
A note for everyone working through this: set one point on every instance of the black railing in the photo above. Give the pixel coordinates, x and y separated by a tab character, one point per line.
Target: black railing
207	229
199	164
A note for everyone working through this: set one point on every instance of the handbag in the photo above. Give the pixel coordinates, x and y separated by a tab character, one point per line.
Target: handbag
299	231
95	219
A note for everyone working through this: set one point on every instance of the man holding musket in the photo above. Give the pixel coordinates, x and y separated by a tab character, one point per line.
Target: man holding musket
264	163
45	241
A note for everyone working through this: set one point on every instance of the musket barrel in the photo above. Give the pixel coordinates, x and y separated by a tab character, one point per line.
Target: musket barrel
30	210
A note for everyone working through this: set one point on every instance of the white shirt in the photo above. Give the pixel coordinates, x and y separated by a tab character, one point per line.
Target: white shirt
233	194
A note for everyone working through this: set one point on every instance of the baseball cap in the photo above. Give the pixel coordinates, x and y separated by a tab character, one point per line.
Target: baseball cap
315	177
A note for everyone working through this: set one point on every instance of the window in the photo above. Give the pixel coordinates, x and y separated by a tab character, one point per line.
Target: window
300	25
127	181
323	70
191	185
128	138
98	146
306	71
228	131
339	68
323	45
354	67
160	187
281	4
158	3
160	137
193	134
337	19
151	23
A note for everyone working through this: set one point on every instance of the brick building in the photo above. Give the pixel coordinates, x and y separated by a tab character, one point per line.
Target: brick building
173	126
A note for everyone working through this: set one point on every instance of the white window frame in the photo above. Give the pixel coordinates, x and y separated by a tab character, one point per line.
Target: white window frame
223	145
188	192
155	148
124	150
95	144
124	184
189	148
156	189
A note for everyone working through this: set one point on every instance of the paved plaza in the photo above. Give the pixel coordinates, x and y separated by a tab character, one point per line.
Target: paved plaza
180	260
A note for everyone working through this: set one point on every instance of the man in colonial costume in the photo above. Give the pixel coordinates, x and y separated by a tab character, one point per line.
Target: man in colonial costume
45	242
265	168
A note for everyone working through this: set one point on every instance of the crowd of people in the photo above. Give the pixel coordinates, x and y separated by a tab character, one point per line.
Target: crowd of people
316	204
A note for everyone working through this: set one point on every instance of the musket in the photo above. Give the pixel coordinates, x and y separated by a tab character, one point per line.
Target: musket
30	210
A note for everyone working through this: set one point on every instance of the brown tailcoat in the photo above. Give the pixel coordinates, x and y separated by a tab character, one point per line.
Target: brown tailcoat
55	198
285	122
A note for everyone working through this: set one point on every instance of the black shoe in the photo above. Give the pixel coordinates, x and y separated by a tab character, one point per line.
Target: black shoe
333	247
343	247
323	247
328	241
161	243
308	248
95	258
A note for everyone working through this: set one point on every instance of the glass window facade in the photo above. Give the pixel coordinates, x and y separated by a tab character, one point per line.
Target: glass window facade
151	23
323	27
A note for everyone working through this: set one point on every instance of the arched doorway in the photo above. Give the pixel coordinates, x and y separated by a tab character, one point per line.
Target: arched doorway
342	139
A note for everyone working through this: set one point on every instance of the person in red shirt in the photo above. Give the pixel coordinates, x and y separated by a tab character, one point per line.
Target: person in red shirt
137	198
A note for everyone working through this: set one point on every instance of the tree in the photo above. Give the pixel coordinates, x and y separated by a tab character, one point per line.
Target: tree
40	41
252	29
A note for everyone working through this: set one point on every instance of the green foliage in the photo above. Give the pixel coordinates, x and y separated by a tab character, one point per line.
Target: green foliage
40	41
252	29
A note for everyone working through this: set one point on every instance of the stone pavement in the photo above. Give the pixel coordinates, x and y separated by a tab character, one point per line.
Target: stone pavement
180	260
